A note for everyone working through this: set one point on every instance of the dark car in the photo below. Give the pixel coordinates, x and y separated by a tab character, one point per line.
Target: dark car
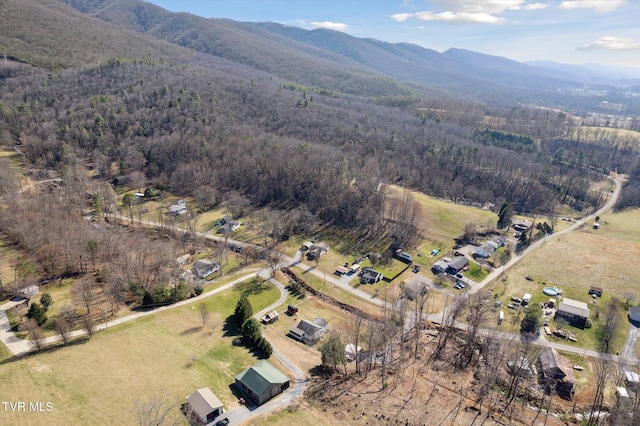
460	276
222	422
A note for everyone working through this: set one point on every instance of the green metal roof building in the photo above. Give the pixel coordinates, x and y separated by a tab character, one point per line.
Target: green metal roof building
261	382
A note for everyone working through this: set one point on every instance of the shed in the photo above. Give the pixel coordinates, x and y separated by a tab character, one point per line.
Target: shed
341	270
355	267
596	291
205	405
261	382
292	309
351	352
634	313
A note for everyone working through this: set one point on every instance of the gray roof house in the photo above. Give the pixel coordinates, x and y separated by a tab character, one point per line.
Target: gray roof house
573	311
457	264
203	268
204	405
309	332
317	250
177	209
261	382
370	276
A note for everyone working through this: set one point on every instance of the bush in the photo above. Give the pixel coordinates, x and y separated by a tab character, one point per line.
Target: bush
197	291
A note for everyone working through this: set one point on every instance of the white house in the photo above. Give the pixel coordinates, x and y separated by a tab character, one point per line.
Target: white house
178	209
203	268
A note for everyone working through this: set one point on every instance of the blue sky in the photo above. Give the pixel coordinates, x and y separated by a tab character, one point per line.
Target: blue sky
567	31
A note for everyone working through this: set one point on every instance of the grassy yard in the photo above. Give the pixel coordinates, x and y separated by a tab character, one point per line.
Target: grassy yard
98	381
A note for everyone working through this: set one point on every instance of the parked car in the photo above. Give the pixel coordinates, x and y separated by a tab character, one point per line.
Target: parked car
459	276
416	269
458	286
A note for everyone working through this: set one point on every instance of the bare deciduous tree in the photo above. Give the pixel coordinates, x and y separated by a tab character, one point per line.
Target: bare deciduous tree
157	410
204	313
63	329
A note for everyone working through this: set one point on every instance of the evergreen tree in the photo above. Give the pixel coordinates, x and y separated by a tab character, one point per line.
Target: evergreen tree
251	331
504	215
332	351
243	311
532	319
265	347
38	313
46	301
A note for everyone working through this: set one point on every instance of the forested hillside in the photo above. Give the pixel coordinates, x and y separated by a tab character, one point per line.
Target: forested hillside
322	136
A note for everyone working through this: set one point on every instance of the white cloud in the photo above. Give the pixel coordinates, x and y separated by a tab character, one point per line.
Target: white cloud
401	17
330	25
483	18
535	6
478	6
612	43
597	5
469	11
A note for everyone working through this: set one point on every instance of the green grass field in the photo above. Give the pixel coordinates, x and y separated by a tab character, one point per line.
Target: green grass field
97	381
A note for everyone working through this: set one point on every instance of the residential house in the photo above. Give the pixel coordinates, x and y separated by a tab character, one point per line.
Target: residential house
309	332
203	268
261	382
416	286
229	226
521	225
178	209
486	250
204	405
370	276
597	291
457	265
574	312
557	370
317	250
440	266
634	313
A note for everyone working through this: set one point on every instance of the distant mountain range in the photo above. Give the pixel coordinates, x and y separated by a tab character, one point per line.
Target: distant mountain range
320	58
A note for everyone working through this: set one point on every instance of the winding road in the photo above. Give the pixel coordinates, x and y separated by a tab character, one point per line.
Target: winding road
243	414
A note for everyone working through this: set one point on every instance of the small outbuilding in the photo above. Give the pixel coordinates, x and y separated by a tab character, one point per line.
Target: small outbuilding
596	291
351	352
261	382
28	292
178	209
634	313
204	405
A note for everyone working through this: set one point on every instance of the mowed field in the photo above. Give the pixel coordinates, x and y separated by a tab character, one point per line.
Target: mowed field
608	257
99	381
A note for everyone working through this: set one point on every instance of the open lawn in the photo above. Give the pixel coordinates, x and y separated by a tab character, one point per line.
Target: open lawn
8	255
300	415
98	381
574	262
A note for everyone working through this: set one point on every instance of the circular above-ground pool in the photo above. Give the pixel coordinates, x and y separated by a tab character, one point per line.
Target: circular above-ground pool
550	291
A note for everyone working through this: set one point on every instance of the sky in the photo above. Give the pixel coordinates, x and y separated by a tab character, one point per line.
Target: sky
606	32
